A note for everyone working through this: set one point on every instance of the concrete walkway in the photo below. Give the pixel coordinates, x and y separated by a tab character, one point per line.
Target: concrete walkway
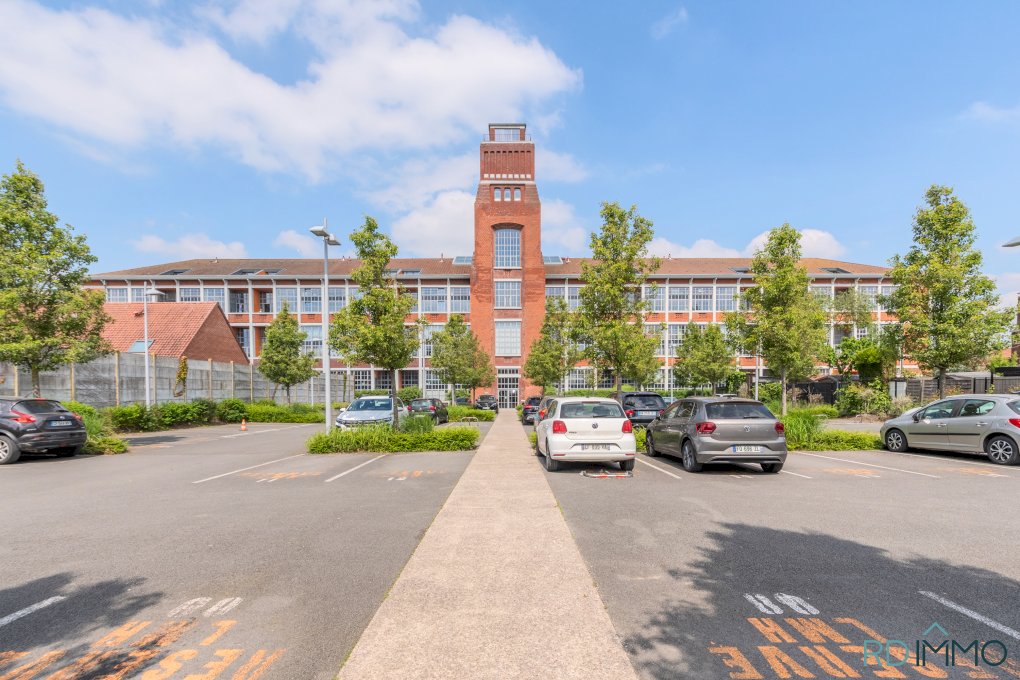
497	587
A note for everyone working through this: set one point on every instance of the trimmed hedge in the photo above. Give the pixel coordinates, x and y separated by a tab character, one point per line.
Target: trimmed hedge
459	413
265	413
384	440
842	440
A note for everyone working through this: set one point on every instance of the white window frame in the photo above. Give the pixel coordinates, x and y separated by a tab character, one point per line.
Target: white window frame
506	346
502	300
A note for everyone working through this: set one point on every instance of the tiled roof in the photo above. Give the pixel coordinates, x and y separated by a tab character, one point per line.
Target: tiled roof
173	326
571	266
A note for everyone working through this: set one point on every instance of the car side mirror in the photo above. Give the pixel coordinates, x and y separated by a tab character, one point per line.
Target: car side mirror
916	417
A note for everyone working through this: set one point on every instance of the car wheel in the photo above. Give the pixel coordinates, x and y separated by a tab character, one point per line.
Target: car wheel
771	468
1002	450
627	465
650	446
689	460
896	441
550	464
68	451
9	451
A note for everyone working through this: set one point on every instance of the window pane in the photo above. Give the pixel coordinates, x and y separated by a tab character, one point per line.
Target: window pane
497	194
679	298
238	302
288	296
313	341
116	294
555	291
507	248
508	338
460	299
426	339
703	298
656	297
311	300
517	194
266	302
508	294
191	294
433	299
337	299
217	295
573	297
726	298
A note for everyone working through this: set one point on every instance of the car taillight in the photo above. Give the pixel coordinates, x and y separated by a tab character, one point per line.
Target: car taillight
627	427
780	428
76	417
705	428
661	411
559	427
408	408
630	413
20	417
432	408
1015	422
541	414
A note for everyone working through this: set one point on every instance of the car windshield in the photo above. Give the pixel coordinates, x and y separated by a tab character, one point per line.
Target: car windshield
38	406
737	410
534	401
421	403
591	409
486	397
371	405
645	401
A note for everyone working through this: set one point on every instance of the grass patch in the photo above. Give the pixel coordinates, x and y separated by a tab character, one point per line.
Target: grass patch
382	439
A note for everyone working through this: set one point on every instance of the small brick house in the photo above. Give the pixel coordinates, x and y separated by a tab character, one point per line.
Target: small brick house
196	330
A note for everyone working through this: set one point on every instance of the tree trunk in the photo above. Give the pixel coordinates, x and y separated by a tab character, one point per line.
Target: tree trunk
942	383
783	384
288	395
617	380
36	390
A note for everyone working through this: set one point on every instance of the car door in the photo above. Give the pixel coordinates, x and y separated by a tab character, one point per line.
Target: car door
543	425
662	433
967	429
678	424
931	429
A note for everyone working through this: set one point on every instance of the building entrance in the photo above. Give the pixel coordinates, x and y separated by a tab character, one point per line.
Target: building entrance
508	385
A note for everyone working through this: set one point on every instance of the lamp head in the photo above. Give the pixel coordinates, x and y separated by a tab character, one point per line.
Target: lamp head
332	240
1012	243
320	231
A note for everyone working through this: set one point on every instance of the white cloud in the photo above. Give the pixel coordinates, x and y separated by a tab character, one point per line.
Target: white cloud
1008	287
813	242
190	246
666	25
371	86
417	181
443	225
558	167
989	113
562	231
303	244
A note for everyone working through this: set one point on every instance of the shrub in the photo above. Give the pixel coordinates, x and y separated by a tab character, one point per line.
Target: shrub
384	440
175	413
841	440
407	394
273	413
231	411
802	427
900	405
417	424
770	392
458	413
105	445
204	410
80	408
133	418
856	398
371	393
100	439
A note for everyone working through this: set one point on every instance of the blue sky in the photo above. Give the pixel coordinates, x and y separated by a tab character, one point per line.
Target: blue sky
167	130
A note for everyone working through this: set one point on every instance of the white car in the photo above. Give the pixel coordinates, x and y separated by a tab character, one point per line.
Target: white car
370	411
585	430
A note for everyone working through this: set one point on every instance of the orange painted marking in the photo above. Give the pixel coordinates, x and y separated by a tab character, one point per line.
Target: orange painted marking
829	662
417	473
166	635
899	654
10	657
214	668
82	666
783	664
221	628
1011	667
734	658
772	631
30	670
257	665
135	660
119	636
860	472
816	630
170	665
980	472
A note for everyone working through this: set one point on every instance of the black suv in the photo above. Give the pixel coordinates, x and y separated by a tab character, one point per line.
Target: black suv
642	407
38	426
487	402
530	409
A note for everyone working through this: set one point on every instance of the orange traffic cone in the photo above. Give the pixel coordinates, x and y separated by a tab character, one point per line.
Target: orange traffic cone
244	424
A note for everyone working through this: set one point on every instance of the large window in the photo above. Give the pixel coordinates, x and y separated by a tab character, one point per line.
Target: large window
362	379
676	334
508	294
726	298
460	299
508	338
137	294
432	299
286	296
116	294
242	339
703	298
191	295
313	339
573	297
508	249
556	292
656	297
409	377
311	300
426	338
337	299
266	302
870	293
238	302
217	295
679	298
654	330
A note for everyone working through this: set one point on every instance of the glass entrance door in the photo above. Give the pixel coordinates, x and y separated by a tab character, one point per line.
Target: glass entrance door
508	383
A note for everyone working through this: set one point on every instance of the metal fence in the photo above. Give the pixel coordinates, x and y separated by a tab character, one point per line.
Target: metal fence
119	379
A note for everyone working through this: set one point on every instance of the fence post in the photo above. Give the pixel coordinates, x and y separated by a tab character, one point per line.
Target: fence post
116	378
155	381
210	380
231	379
72	381
251	382
17	381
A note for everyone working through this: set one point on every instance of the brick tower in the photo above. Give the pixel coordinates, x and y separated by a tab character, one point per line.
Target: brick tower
508	274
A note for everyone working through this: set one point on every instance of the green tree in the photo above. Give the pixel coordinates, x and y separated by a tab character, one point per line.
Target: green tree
843	356
788	321
371	328
282	360
946	306
459	358
47	317
611	309
703	356
852	309
554	352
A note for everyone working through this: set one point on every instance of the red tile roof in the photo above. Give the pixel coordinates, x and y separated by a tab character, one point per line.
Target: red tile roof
723	266
174	328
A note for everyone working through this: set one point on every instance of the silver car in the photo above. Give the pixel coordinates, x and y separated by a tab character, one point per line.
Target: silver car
718	430
370	411
974	423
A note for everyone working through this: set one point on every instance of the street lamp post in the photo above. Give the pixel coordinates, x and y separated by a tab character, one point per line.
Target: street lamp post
156	295
327	240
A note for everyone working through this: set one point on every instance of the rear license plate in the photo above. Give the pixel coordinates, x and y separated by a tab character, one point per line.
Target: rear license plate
60	423
594	447
746	449
647	413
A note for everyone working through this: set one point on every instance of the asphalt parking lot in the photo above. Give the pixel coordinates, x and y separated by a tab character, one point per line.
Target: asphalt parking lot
734	573
205	553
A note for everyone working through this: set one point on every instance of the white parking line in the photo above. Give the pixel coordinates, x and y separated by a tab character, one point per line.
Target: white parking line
347	472
10	618
962	461
796	474
972	614
665	472
859	462
272	429
234	472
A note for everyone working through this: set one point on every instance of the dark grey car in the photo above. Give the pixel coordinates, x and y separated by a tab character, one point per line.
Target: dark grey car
973	423
718	430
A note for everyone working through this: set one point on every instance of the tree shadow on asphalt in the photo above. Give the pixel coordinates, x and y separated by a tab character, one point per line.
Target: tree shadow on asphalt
73	624
839	578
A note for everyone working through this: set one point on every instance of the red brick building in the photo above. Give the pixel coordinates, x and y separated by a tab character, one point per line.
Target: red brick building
500	287
197	330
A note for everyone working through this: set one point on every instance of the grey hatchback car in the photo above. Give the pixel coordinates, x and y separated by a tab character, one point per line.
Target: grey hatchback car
970	423
718	430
